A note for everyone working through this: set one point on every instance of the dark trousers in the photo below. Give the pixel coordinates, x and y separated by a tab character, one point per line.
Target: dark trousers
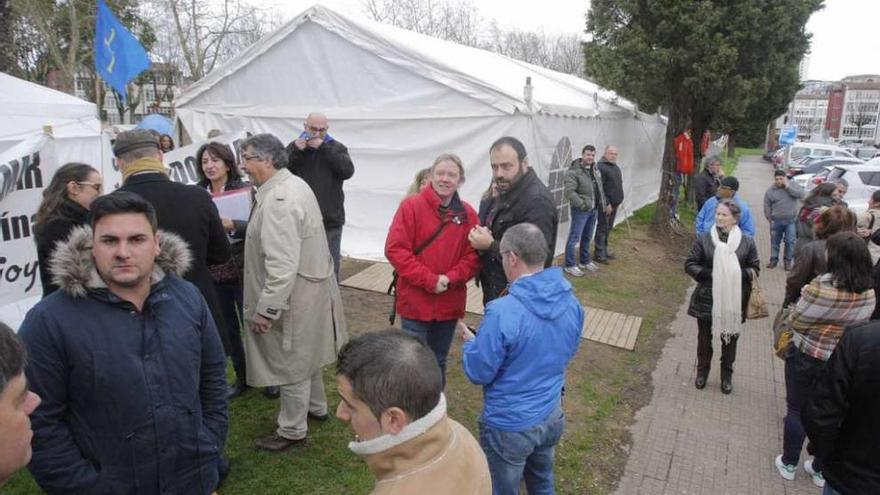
704	351
230	296
437	334
802	372
603	230
334	241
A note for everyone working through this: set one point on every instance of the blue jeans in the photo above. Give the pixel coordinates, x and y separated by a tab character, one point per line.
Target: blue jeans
802	372
514	455
582	224
778	232
437	334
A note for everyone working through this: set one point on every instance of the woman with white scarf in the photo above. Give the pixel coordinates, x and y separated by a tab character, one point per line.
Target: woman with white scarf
722	261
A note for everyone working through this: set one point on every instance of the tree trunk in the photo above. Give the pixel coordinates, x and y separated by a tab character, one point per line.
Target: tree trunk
699	124
731	144
7	60
678	116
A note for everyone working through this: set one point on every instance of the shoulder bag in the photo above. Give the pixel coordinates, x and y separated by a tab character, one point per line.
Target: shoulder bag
392	287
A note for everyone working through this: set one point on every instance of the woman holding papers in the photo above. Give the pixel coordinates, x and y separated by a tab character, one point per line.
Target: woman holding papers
220	175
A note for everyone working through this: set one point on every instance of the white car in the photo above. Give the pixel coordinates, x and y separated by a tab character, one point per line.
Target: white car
799	150
805	174
863	180
808	181
867	153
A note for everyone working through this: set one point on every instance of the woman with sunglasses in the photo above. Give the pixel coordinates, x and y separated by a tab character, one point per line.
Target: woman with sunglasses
65	205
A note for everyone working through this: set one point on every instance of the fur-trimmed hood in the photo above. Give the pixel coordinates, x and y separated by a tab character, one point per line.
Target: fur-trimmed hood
73	268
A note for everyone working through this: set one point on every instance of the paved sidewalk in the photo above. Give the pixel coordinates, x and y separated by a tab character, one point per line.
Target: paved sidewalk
689	441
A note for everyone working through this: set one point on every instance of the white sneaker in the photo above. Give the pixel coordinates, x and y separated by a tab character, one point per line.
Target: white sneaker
785	470
817	477
590	267
573	271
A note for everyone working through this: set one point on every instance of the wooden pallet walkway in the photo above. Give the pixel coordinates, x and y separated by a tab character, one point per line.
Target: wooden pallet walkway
606	327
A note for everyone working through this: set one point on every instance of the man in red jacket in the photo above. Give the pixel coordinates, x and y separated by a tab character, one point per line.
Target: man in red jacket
428	246
684	164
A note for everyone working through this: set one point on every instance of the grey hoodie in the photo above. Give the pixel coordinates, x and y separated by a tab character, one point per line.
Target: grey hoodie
782	204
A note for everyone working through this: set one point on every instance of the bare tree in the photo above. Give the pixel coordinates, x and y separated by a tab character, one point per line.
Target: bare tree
7	47
568	54
460	21
560	52
64	53
863	114
200	34
452	20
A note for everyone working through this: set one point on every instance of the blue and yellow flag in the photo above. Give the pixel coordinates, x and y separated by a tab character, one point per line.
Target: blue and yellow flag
119	56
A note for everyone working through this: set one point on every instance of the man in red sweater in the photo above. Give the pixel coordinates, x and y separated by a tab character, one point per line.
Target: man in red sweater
428	246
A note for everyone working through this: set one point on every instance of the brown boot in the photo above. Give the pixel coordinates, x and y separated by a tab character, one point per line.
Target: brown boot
277	443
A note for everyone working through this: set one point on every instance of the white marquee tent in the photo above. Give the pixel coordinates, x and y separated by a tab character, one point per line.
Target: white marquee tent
26	110
398	99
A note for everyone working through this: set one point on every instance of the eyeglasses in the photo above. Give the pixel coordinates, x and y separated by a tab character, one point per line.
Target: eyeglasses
94	185
248	158
317	130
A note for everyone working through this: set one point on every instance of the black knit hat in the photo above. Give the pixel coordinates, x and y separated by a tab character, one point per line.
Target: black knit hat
730	183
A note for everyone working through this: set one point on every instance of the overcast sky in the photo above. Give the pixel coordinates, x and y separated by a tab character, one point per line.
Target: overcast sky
845	32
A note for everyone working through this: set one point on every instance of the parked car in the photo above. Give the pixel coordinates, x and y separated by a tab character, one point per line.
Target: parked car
813	164
797	151
768	154
777	158
813	181
809	181
850	144
867	153
863	180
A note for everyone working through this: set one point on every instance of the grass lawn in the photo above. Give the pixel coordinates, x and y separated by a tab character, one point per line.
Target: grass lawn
605	385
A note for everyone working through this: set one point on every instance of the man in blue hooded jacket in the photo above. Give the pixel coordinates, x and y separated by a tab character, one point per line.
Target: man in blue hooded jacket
519	356
727	190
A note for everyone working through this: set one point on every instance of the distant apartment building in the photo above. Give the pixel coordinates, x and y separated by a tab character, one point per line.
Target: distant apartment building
845	109
809	110
154	94
861	108
803	68
835	110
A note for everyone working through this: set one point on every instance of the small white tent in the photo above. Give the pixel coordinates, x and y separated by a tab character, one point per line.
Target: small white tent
398	99
30	159
27	107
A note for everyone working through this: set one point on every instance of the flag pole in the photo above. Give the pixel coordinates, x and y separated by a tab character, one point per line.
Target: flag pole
98	99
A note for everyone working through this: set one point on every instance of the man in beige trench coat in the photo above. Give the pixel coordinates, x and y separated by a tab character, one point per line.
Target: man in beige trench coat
292	305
